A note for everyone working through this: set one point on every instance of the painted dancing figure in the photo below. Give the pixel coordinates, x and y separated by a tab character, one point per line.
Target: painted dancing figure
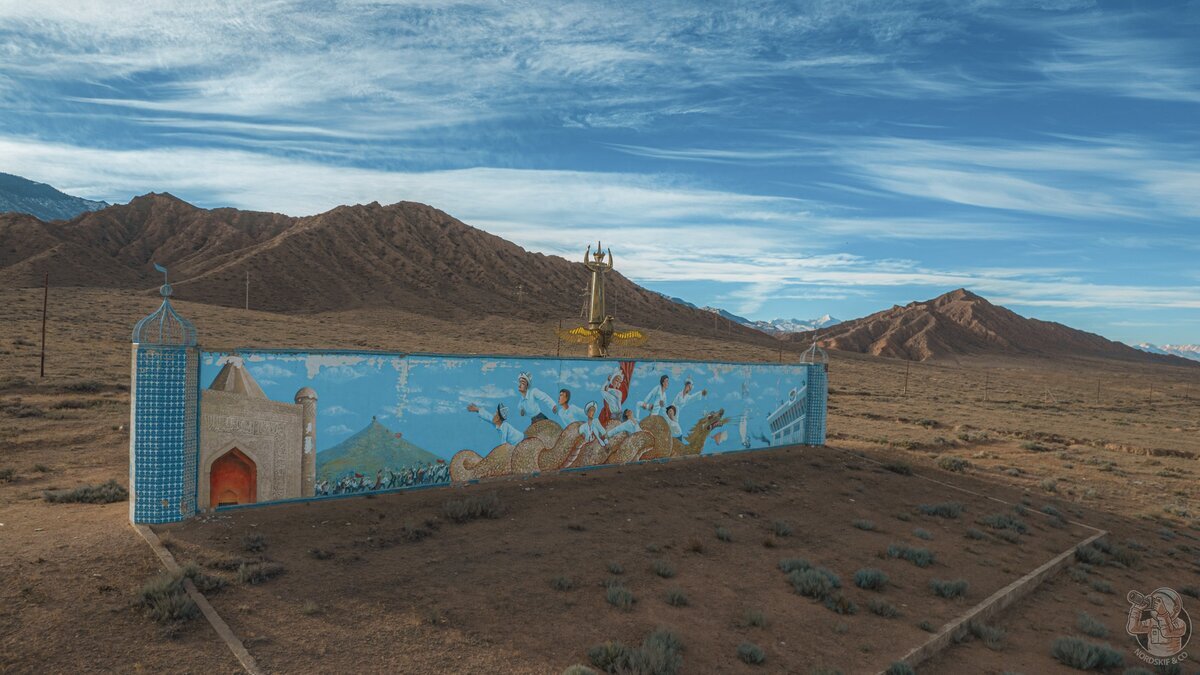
499	419
532	399
656	399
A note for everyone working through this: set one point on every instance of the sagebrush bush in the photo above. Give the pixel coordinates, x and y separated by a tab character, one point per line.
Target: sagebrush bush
615	568
320	553
105	493
921	533
1089	555
900	668
1004	521
870	579
901	468
943	510
724	534
865	525
921	557
663	569
620	597
257	573
7	474
882	608
948	589
562	583
1091	626
956	464
579	669
992	636
677	598
751	486
751	653
165	600
661	653
1102	586
781	528
754	618
973	533
473	507
205	583
1082	655
840	604
254	542
788	565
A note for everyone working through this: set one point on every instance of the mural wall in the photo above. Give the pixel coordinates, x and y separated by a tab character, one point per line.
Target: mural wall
279	425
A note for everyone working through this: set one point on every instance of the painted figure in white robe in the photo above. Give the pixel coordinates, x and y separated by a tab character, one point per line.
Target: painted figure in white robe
687	396
628	425
567	413
673	422
656	399
591	429
532	399
612	394
499	419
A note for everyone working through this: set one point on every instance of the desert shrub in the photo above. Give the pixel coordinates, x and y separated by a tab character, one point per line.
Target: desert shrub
257	573
310	608
973	533
1051	511
1102	586
781	528
751	486
105	493
1003	521
7	474
948	589
926	626
1166	534
254	542
663	569
921	533
956	464
1079	573
788	565
661	653
579	669
921	557
751	653
840	604
902	468
166	601
753	618
1089	554
870	579
1020	510
943	510
992	637
41	468
677	598
84	387
320	553
18	409
1034	446
900	668
615	568
1124	556
928	423
205	583
864	525
1082	655
812	583
620	597
724	534
882	608
1090	625
562	583
473	507
1009	536
1049	485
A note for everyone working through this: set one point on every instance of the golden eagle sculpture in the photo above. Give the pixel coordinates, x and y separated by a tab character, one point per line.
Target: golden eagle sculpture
599	333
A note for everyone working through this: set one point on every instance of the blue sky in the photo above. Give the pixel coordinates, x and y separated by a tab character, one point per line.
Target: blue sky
776	159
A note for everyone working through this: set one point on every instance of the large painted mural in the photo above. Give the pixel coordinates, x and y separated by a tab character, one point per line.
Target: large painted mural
279	425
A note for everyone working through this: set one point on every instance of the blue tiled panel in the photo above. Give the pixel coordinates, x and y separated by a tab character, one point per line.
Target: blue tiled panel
818	393
165	444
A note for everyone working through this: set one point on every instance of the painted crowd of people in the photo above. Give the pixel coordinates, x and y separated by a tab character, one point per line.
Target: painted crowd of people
533	404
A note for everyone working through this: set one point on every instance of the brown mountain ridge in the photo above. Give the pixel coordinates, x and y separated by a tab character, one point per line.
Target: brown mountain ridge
404	255
961	323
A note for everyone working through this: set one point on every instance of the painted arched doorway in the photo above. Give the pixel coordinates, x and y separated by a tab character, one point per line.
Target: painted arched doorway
233	479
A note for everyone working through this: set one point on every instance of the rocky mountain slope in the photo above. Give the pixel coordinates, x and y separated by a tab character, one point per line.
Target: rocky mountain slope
961	323
21	195
404	255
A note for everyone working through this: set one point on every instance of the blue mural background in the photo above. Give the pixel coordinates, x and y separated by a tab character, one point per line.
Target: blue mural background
424	399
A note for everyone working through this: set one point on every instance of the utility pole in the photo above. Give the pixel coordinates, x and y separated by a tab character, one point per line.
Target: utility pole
987	376
1097	391
247	289
45	305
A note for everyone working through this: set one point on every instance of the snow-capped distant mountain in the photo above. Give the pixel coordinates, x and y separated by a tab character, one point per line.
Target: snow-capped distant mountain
729	315
794	325
1185	351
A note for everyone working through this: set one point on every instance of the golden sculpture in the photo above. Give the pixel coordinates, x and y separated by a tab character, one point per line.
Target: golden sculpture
599	333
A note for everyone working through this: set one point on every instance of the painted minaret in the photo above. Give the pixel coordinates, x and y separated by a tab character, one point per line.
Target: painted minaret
308	463
164	424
